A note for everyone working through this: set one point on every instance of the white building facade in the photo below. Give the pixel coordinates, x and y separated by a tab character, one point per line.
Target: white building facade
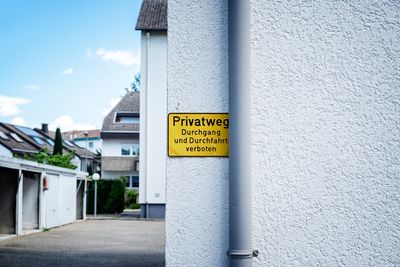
153	109
120	141
325	141
94	144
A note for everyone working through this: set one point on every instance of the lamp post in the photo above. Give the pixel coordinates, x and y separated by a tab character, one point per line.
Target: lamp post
95	178
86	145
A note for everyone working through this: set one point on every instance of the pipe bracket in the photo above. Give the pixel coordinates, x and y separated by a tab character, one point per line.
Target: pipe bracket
242	254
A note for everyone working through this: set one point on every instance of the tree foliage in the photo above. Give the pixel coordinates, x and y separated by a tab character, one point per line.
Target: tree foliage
58	143
58	160
136	83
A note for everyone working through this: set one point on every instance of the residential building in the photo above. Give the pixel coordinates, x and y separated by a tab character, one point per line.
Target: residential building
120	135
12	143
35	196
19	141
89	139
152	22
84	158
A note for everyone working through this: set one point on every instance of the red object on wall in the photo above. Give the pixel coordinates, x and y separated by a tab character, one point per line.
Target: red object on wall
45	183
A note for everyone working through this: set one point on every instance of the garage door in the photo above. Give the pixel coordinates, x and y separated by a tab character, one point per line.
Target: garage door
52	202
68	199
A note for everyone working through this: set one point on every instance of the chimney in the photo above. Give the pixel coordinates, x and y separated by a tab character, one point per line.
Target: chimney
45	128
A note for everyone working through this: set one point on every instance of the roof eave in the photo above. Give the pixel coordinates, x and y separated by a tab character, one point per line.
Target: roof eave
151	29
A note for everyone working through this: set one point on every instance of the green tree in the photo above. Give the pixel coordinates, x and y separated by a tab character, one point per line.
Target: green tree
58	143
136	83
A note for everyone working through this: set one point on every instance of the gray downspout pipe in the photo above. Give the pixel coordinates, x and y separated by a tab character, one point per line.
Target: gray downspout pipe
240	247
147	116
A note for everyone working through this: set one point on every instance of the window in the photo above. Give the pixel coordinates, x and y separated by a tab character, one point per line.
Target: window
37	137
3	136
91	145
132	181
127	117
28	131
68	143
135	181
135	149
130	149
38	140
50	142
125	150
16	137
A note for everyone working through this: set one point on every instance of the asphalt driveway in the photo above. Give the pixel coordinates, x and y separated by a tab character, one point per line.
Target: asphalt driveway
95	243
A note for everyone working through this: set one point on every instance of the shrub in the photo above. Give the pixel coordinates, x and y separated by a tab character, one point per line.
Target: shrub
56	160
110	196
130	202
115	202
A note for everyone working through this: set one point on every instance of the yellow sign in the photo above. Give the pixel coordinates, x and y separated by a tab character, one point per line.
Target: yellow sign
198	134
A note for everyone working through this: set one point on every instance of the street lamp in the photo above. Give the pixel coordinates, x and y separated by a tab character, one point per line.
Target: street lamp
95	178
86	145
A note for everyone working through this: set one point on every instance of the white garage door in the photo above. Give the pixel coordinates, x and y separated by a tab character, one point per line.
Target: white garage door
68	198
51	202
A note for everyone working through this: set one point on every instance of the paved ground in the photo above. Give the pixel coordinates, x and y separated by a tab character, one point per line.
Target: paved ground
94	243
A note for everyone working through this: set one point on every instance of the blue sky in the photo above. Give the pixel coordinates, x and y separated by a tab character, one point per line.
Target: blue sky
66	62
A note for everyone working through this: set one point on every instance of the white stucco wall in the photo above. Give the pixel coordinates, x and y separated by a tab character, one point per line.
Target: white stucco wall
5	151
197	188
113	147
326	114
153	118
97	144
325	133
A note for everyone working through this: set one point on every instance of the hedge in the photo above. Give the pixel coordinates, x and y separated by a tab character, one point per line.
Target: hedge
110	196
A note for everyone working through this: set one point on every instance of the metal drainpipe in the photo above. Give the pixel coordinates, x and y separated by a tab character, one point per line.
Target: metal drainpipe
240	246
147	116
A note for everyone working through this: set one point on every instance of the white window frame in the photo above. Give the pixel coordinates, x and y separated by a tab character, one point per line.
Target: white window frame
132	147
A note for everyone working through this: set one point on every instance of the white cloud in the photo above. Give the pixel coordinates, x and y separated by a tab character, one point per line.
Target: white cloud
66	123
32	87
9	106
68	71
18	121
112	104
125	58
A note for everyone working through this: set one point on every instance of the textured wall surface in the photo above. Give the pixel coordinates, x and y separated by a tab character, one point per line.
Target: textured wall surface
325	133
197	188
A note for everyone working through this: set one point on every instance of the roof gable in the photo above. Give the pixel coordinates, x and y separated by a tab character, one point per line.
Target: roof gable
130	103
153	15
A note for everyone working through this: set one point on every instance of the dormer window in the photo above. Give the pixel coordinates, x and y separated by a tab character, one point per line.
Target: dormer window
127	117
